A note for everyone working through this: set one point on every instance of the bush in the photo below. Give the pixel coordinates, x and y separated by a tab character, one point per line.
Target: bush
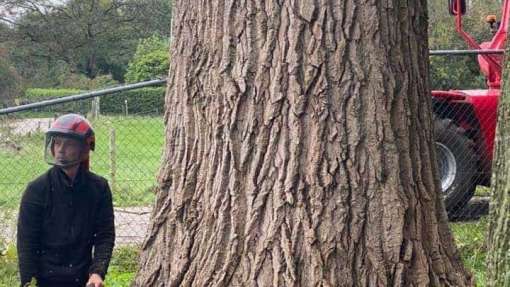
35	94
80	81
151	60
139	101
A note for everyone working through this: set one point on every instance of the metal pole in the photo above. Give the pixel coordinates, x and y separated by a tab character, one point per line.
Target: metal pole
82	96
465	52
113	159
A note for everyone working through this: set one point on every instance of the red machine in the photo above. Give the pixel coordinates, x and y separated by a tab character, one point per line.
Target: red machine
465	120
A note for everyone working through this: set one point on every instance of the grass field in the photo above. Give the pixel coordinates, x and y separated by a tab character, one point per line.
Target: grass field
138	143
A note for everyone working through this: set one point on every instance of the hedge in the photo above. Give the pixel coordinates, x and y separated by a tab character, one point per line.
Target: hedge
44	94
34	95
139	101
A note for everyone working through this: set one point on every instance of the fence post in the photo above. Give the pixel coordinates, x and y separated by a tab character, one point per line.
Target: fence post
126	105
113	159
96	107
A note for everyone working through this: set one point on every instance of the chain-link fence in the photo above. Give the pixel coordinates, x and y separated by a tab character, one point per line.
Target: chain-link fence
129	134
129	141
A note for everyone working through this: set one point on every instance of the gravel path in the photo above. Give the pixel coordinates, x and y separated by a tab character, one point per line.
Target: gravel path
25	126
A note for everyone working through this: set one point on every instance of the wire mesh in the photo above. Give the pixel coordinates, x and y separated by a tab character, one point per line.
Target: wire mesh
129	146
127	154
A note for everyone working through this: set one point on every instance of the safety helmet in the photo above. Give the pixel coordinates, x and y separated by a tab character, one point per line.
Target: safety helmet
73	130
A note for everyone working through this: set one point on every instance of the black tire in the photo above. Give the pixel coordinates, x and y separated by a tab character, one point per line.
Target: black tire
457	165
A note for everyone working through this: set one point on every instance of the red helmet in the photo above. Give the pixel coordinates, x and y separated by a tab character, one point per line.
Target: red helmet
70	127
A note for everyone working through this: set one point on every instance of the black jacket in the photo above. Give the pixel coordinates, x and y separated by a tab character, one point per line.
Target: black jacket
59	224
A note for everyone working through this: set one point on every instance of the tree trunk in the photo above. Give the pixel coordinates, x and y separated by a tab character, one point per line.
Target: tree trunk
298	150
498	259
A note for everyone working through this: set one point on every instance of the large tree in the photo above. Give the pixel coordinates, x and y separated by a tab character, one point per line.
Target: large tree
299	150
498	259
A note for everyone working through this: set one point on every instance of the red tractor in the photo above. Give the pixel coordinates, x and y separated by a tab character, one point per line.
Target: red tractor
465	120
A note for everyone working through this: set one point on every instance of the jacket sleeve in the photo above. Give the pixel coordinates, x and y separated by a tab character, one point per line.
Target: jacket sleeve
104	236
30	221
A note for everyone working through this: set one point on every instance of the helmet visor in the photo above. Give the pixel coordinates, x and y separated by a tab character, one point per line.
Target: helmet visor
63	150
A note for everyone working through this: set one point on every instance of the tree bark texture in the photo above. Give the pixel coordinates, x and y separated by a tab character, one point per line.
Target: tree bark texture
498	258
298	150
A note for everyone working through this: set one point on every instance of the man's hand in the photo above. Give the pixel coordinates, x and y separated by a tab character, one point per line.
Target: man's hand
95	281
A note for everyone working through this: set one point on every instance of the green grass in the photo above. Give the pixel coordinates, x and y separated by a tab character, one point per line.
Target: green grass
482	191
121	272
470	238
139	142
123	266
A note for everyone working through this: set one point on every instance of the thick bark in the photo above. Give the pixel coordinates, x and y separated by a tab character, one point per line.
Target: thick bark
299	150
498	258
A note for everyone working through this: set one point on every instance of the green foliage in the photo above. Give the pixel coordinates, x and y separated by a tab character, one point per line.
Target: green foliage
139	101
8	265
81	82
9	81
457	72
88	37
151	60
36	94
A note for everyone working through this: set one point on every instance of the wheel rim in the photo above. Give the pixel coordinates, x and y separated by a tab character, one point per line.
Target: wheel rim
447	166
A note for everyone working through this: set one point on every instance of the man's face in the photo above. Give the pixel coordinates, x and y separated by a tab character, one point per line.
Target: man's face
67	150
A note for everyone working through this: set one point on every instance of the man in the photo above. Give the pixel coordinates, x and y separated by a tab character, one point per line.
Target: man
65	225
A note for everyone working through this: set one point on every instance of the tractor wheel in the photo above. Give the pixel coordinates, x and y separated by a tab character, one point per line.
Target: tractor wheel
457	164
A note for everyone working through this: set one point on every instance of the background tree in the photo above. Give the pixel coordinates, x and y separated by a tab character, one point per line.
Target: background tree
458	72
498	255
298	150
89	36
10	82
150	60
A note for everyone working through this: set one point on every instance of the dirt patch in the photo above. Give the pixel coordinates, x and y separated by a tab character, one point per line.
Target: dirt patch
26	126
